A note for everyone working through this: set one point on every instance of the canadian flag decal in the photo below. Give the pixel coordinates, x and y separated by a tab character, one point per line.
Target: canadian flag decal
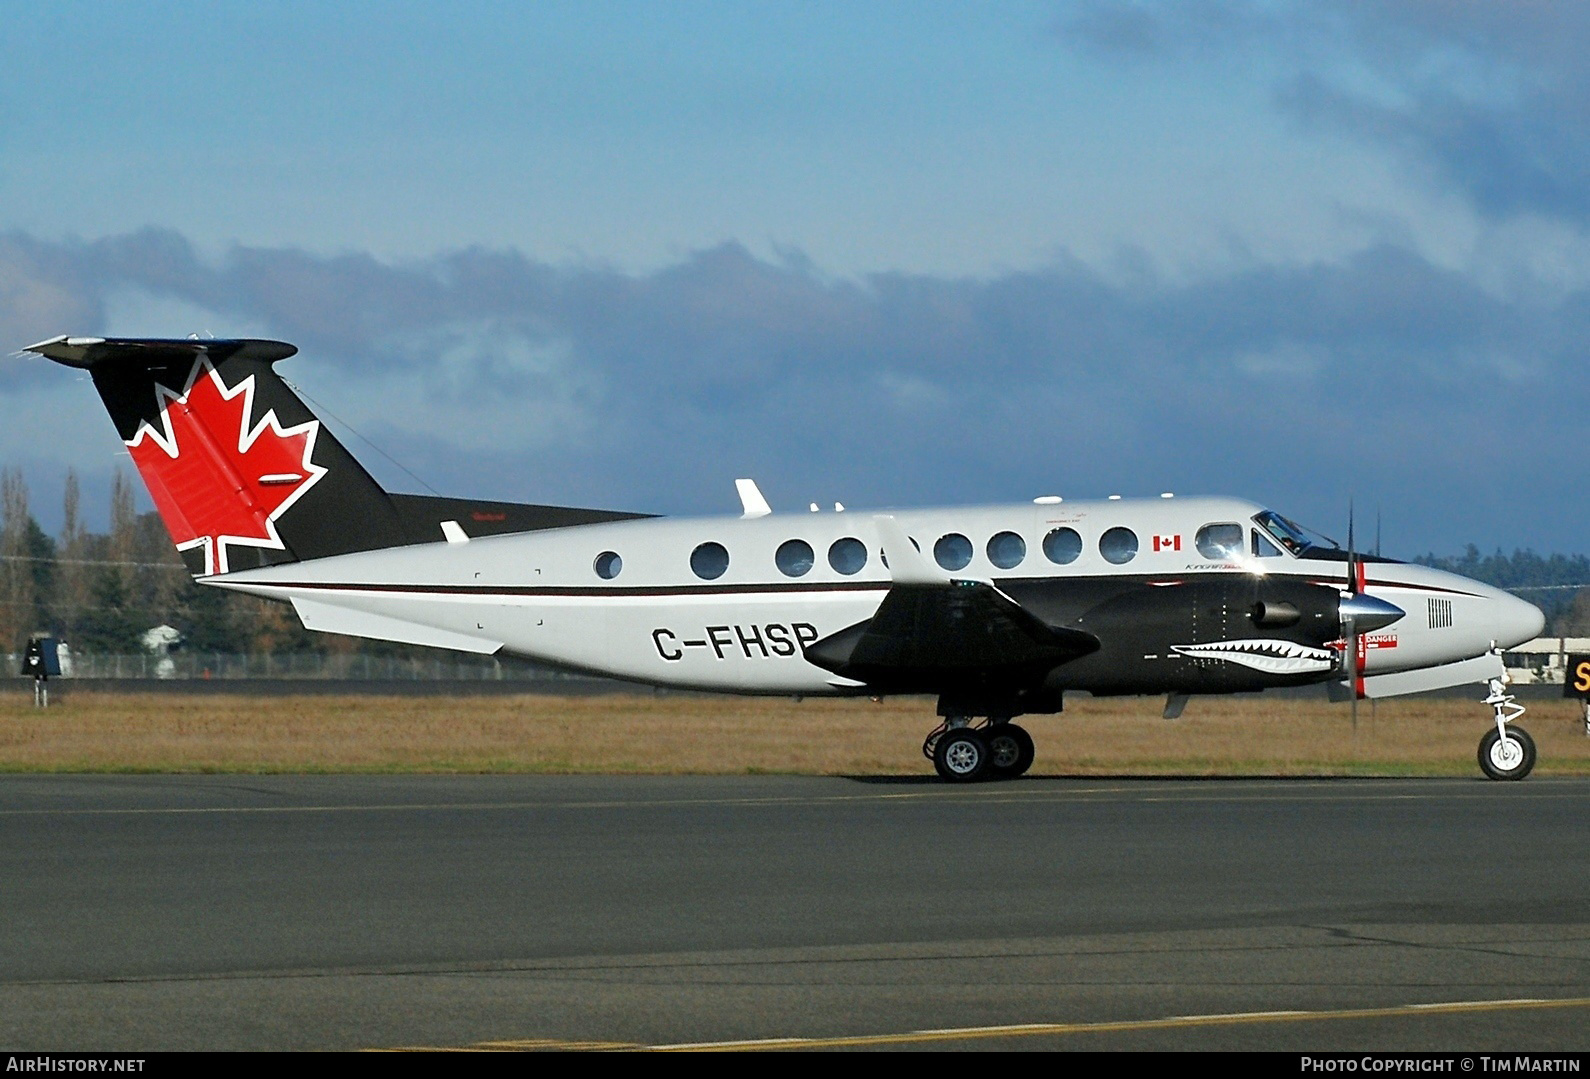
1167	543
215	479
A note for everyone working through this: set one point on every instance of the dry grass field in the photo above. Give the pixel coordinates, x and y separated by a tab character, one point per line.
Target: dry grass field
641	733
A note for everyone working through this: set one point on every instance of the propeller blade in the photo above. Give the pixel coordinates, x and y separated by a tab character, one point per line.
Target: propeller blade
1350	663
1354	598
1354	577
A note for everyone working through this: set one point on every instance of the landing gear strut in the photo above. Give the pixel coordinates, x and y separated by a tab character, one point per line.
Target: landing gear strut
962	753
1507	752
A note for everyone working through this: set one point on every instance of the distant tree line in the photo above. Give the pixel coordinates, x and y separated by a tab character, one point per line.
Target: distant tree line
101	592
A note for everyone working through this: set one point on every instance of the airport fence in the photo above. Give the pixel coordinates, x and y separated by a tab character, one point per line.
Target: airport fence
308	667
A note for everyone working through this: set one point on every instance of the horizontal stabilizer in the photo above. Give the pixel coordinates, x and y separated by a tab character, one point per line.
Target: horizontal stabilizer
88	352
326	618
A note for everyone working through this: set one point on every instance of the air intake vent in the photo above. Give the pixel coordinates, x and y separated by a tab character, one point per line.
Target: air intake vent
1440	614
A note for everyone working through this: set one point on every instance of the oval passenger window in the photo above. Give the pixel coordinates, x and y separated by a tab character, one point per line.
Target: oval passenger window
607	565
709	561
953	551
1006	550
847	555
1118	546
1062	546
794	558
1219	542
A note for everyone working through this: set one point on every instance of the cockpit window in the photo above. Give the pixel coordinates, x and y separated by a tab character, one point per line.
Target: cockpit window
1288	534
1219	542
1262	547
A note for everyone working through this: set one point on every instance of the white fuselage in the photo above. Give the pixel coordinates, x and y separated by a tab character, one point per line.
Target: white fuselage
657	620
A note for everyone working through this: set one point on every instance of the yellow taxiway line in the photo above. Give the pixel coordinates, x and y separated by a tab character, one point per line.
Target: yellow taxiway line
1022	1030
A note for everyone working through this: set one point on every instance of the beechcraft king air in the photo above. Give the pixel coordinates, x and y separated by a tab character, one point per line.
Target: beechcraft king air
997	611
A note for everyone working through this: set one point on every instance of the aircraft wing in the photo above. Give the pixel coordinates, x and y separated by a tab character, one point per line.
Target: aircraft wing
932	630
951	635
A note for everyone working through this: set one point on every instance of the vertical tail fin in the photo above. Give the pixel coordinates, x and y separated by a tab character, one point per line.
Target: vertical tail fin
243	474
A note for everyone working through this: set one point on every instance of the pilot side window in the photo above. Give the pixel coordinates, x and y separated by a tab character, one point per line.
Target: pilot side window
794	558
1262	547
1118	546
1219	542
847	555
710	561
1062	546
1006	550
953	551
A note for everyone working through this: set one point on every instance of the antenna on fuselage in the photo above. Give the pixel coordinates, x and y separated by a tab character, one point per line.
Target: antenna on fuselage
751	500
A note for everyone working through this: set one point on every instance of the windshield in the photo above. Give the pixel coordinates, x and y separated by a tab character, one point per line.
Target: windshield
1289	534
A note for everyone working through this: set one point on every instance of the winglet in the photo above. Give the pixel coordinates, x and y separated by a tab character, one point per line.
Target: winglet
907	565
751	499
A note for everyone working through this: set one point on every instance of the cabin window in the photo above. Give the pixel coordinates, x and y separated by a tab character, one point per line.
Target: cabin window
1062	546
1262	547
953	551
795	558
607	565
1006	550
1219	542
710	561
1118	546
847	555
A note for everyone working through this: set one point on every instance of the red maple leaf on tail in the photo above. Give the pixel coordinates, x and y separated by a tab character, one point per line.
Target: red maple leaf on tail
214	480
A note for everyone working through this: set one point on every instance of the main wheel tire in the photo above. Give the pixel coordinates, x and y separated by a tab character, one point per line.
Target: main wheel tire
961	755
1510	759
1010	750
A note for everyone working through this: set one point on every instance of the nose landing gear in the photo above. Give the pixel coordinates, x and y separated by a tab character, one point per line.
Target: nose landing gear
1507	752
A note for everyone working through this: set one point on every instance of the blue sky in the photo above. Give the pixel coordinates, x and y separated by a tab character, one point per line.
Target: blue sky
620	253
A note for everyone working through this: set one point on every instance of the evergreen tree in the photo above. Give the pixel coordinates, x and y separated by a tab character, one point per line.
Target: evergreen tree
73	580
19	613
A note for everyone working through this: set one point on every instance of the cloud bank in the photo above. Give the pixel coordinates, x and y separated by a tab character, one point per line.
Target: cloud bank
1488	100
1451	406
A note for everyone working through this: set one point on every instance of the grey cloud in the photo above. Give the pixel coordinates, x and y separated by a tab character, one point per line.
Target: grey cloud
491	373
1490	100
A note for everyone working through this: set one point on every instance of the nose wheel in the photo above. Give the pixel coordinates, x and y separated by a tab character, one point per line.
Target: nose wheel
1507	752
1507	757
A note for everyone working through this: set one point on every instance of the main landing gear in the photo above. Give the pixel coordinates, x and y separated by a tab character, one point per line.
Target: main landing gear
1507	752
961	753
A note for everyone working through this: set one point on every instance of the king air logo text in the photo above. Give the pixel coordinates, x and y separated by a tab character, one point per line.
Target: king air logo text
216	480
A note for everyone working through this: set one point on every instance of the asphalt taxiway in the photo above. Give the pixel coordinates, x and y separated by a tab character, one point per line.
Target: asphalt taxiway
342	912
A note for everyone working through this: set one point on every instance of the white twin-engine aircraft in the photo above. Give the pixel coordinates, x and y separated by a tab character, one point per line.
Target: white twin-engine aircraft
996	610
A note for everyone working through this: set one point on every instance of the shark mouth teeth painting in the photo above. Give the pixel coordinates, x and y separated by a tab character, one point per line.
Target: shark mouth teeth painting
1269	656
